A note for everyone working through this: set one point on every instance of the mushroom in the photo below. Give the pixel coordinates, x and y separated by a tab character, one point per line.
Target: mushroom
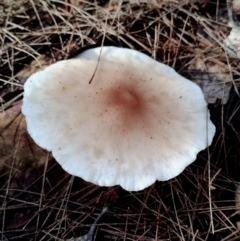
116	116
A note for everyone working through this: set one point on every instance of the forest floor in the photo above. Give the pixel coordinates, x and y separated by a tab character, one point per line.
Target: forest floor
40	201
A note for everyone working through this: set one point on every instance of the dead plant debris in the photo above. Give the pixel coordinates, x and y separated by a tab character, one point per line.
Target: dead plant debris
39	201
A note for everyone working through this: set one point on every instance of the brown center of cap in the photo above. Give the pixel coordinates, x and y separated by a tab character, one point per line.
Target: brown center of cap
124	97
127	102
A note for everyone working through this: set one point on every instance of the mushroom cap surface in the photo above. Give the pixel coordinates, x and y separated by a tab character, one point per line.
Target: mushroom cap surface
138	121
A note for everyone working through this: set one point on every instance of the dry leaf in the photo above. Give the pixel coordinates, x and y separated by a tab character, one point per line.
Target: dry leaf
213	78
233	42
236	6
21	164
15	143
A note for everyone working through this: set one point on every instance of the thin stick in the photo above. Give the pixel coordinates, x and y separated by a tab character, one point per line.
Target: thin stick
88	236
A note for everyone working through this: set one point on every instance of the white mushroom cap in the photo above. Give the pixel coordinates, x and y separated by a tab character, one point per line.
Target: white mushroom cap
137	122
